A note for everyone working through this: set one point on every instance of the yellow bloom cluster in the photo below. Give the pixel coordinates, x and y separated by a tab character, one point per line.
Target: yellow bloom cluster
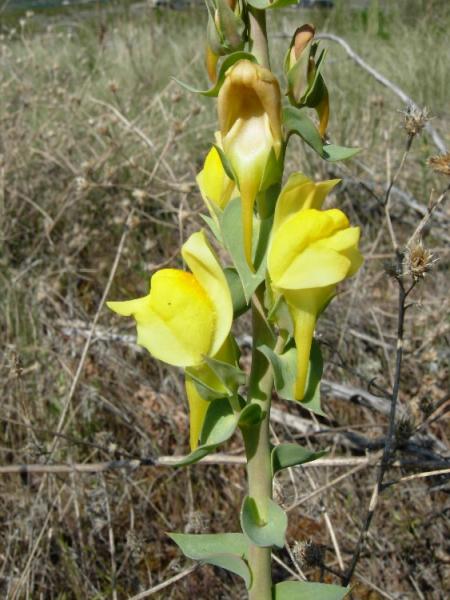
187	316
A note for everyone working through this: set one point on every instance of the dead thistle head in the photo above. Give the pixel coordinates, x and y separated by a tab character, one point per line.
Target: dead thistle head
415	119
440	163
308	554
418	260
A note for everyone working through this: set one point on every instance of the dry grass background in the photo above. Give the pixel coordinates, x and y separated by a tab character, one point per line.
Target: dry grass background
91	128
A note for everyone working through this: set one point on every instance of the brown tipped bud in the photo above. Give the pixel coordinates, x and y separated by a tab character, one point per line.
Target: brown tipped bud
302	36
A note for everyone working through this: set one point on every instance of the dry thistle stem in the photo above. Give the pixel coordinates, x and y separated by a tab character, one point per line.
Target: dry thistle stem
415	119
418	260
440	163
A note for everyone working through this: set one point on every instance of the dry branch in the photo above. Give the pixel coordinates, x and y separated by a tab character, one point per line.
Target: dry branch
438	141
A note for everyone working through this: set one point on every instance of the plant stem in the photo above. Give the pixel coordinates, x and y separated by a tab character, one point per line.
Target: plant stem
257	447
256	437
260	488
258	34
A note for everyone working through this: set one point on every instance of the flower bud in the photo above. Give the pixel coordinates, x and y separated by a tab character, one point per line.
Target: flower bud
226	32
306	86
249	107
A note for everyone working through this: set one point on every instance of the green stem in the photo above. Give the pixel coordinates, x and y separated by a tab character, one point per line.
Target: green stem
258	35
257	448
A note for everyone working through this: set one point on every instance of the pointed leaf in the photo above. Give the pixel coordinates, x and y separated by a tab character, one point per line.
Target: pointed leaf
264	534
230	375
285	371
227	63
296	121
305	590
225	163
225	550
290	455
219	425
240	304
233	236
212	224
334	153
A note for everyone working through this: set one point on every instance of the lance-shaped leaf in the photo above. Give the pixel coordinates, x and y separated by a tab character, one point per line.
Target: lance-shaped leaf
229	374
225	550
305	590
297	121
219	425
291	455
271	531
232	233
240	304
227	63
285	372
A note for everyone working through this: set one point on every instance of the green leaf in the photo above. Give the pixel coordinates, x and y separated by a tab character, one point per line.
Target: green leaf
212	224
225	163
305	590
290	455
230	375
333	153
264	4
285	371
219	425
315	90
227	63
233	236
252	414
225	550
264	534
297	121
240	304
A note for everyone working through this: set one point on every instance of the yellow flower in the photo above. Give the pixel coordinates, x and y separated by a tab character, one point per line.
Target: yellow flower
185	317
300	193
249	107
216	188
310	252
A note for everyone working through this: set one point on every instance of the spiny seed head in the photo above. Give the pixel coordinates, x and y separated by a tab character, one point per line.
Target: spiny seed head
415	119
440	163
308	553
418	261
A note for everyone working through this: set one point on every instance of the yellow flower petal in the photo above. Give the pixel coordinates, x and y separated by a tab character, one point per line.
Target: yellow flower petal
203	263
297	233
300	193
304	306
315	267
248	146
215	186
293	197
176	321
